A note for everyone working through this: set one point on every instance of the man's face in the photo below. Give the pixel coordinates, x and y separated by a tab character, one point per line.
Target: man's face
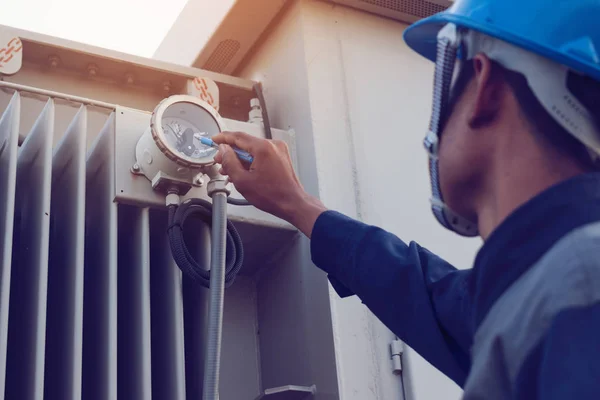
463	153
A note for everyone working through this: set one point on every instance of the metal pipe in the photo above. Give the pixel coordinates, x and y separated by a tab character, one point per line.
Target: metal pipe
56	95
212	365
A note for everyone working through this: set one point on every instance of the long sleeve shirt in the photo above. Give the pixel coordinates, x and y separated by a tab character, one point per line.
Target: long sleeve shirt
523	323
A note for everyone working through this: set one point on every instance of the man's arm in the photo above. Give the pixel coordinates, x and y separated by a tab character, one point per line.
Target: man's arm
420	297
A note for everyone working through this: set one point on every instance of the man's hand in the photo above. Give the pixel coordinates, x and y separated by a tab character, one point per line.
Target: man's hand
270	183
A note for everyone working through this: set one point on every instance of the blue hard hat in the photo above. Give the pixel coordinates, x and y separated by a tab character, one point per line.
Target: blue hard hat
564	31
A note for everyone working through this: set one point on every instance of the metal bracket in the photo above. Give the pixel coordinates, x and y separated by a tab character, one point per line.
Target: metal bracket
397	348
164	183
289	392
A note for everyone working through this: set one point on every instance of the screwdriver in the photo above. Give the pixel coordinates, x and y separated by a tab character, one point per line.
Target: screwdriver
242	155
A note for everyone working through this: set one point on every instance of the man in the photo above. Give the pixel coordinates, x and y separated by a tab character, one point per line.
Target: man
514	144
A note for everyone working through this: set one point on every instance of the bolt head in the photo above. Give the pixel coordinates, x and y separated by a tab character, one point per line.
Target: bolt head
54	61
136	167
92	70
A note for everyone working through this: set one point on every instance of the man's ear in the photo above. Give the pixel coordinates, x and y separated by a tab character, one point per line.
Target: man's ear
487	88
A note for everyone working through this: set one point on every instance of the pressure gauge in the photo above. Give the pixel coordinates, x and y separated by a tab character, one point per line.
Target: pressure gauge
177	125
171	149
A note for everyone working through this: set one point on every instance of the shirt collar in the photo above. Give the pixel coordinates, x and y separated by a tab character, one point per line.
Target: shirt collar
529	232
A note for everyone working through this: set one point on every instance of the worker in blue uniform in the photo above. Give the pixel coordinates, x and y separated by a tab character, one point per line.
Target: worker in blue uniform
514	146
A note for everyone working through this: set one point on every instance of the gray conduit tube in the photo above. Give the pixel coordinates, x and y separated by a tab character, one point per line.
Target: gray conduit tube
212	365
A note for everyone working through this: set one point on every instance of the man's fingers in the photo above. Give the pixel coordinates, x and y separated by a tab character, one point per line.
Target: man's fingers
231	164
240	140
219	155
281	145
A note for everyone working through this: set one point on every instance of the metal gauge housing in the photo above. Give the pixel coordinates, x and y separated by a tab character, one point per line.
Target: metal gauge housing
177	124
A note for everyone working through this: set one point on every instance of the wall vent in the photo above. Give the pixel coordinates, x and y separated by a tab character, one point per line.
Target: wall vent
403	10
222	56
418	8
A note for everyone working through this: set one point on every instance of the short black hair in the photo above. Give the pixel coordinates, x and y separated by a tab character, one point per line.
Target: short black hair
546	128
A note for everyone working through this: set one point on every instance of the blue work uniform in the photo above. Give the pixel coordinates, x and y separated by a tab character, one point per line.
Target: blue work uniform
523	323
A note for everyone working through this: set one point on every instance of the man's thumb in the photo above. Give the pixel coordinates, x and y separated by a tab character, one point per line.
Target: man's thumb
232	166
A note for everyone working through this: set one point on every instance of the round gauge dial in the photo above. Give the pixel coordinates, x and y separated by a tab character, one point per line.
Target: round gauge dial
178	124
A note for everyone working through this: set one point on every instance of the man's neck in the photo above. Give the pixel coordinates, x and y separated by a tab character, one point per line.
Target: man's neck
516	179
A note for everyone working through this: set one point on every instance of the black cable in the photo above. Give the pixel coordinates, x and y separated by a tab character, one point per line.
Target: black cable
181	254
263	106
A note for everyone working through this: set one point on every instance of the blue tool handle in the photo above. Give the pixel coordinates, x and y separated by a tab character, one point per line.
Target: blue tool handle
242	155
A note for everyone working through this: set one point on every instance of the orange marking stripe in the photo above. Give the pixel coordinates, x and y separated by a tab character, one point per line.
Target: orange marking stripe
205	95
196	83
7	53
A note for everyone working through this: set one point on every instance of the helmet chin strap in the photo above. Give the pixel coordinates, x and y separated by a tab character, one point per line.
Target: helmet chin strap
447	49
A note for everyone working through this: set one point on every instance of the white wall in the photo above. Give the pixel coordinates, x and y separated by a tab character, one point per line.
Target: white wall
191	30
359	101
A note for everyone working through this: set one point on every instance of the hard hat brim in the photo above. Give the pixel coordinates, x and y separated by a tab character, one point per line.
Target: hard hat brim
422	38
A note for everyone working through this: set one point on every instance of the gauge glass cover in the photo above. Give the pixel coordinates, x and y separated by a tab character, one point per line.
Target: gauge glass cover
181	126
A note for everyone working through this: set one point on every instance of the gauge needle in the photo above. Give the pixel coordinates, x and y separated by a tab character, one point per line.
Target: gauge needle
186	142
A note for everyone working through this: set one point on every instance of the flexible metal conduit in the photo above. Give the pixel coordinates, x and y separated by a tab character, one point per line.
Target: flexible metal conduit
217	290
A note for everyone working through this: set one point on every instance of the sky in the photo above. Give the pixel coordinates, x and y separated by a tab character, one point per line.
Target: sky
130	26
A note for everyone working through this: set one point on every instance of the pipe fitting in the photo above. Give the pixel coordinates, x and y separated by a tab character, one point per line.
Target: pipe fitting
217	183
218	186
212	171
172	199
